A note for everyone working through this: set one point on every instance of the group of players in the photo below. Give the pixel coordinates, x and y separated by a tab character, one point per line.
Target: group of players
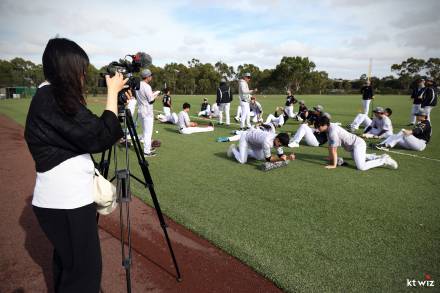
316	128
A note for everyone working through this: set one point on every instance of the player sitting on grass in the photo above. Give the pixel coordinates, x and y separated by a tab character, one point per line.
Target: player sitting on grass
381	126
205	109
311	135
415	139
302	110
257	143
167	116
362	119
256	110
337	136
290	101
188	127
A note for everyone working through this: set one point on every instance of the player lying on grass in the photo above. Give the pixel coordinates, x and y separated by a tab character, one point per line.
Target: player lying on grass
188	127
415	139
337	136
238	133
277	118
257	144
363	120
205	109
311	135
381	126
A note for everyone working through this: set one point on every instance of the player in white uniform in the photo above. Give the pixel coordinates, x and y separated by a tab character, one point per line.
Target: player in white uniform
256	110
245	95
186	126
415	139
257	143
205	109
337	136
290	101
145	99
381	126
363	120
311	135
277	118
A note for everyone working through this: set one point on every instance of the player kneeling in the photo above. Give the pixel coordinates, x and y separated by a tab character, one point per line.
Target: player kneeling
257	143
337	136
188	127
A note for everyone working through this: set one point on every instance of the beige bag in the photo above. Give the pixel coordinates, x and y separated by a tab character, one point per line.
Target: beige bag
104	193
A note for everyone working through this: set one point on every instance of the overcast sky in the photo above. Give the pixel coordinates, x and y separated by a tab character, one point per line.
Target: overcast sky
338	35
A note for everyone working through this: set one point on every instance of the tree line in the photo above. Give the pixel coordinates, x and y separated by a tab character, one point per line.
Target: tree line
194	77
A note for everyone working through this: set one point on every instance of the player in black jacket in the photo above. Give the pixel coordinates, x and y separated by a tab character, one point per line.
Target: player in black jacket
224	99
290	101
415	139
429	100
416	96
367	96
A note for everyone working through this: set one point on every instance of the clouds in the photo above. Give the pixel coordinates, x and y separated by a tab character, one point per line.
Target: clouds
338	35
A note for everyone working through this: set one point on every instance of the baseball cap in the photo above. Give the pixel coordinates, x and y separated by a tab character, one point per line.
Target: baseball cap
247	74
327	115
301	102
379	110
421	112
146	73
318	108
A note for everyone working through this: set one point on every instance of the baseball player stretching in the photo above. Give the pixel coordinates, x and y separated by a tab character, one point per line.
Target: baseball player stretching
188	127
337	136
311	135
257	143
381	126
415	139
290	101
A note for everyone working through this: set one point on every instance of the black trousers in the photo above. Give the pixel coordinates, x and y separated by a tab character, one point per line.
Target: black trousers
77	261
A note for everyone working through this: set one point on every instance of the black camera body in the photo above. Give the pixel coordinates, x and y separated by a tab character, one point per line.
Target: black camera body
127	69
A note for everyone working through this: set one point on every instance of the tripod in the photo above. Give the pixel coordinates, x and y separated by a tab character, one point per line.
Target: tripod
122	177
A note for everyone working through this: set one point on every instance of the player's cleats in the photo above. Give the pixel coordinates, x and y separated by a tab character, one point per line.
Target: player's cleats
237	119
382	147
293	144
222	139
389	162
230	150
150	154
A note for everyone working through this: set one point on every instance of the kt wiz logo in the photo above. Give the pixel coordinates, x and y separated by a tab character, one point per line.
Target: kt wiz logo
427	282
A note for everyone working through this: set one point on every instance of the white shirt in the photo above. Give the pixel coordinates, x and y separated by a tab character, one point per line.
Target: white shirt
243	91
338	136
256	108
382	124
259	139
144	96
68	185
183	120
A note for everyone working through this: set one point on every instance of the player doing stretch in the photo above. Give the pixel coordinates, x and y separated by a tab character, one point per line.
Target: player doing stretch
337	136
290	101
415	139
186	126
167	116
381	126
257	144
311	135
363	120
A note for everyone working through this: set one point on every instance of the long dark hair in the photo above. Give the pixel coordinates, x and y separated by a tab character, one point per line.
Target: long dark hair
65	66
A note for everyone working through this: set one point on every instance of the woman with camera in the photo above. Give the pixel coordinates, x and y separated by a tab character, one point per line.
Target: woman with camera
61	133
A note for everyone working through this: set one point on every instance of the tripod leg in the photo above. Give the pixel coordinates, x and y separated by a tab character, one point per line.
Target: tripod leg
149	184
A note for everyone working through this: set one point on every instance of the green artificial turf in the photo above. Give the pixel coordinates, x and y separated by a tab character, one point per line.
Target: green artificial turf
306	228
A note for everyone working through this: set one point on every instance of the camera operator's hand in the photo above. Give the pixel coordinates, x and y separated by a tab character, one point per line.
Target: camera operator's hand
114	85
129	94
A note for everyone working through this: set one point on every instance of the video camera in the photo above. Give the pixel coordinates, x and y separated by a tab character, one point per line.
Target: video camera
127	69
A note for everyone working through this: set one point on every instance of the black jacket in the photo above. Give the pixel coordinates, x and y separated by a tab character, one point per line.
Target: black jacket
367	92
224	94
53	137
429	97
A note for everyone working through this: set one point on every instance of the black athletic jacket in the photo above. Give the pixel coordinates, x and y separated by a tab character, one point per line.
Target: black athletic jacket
53	136
367	92
429	97
422	130
417	95
224	94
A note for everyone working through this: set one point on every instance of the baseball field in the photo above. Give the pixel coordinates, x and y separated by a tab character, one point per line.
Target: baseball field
306	228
